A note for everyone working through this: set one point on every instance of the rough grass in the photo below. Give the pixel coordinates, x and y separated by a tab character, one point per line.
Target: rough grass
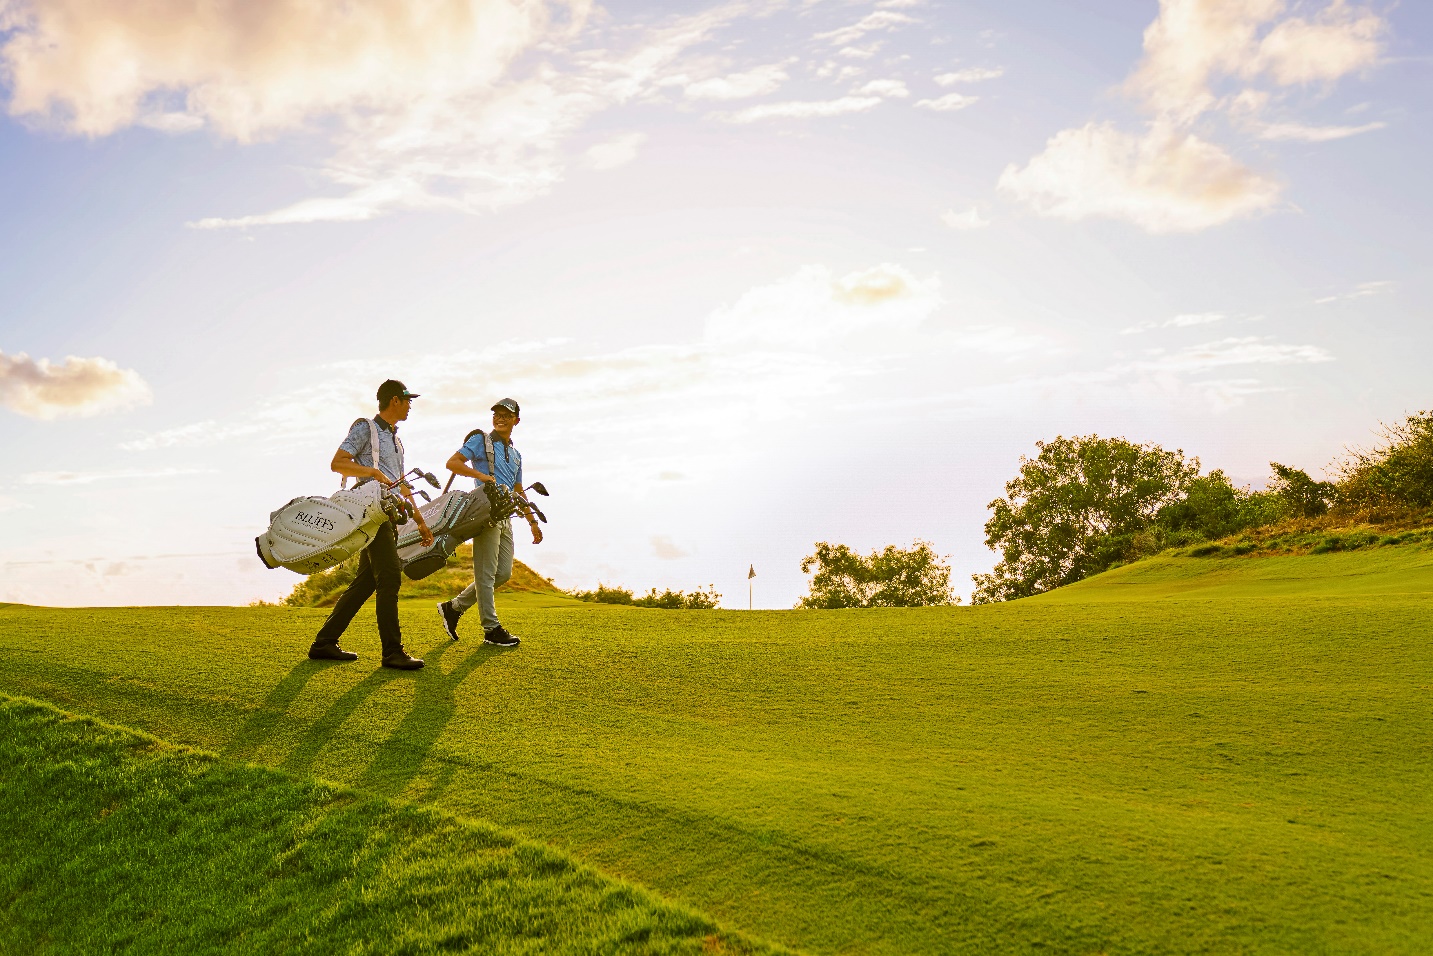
1184	755
1321	535
113	841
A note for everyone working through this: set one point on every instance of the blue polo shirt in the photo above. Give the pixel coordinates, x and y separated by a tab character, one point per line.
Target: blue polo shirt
509	460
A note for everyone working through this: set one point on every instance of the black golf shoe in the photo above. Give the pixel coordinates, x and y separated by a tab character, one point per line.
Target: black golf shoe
330	652
399	660
499	637
450	618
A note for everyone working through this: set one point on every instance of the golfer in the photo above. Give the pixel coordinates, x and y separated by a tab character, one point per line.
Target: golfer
493	548
378	568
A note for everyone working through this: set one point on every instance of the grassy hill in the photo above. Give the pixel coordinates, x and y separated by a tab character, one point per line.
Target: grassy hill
1186	754
116	841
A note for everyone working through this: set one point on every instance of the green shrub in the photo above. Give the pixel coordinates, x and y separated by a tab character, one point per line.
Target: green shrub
605	595
698	600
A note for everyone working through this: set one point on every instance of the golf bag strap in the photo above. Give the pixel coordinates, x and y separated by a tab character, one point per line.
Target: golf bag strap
487	448
373	449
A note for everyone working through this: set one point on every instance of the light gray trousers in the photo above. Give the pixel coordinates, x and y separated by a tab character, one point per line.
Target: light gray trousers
492	566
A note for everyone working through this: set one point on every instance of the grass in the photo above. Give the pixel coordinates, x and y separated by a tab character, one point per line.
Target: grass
115	841
1182	755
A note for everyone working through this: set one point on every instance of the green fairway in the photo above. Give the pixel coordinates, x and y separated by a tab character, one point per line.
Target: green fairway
1215	755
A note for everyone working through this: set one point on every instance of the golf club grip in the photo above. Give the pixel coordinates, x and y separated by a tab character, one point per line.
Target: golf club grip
451	476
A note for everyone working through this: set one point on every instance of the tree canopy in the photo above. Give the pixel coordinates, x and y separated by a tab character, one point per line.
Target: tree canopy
1074	509
1086	503
1396	473
893	577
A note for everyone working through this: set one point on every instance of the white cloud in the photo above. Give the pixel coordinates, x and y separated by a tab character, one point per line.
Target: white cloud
1251	350
950	101
785	348
1165	181
877	20
859	52
12	504
805	109
1361	291
893	88
814	310
1314	134
970	219
417	98
39	388
1178	322
1194	43
975	74
667	549
736	86
1340	40
615	152
1168	179
248	69
1194	318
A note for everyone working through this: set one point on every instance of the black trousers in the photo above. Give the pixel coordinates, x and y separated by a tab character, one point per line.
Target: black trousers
378	570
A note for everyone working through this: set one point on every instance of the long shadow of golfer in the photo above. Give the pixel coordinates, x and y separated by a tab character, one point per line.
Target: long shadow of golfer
266	719
402	754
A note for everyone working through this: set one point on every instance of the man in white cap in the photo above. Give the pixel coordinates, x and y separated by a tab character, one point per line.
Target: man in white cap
493	548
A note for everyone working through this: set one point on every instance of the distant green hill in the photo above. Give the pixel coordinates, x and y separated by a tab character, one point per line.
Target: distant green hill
1217	754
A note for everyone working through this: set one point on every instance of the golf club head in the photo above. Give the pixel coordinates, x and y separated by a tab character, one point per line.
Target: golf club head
425	496
537	487
432	479
536	511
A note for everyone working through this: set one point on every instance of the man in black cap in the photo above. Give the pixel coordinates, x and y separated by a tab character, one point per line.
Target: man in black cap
378	568
493	548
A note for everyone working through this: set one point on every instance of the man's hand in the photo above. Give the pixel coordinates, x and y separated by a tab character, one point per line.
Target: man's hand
536	530
427	536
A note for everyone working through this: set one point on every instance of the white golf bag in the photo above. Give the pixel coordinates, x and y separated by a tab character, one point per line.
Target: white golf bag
313	534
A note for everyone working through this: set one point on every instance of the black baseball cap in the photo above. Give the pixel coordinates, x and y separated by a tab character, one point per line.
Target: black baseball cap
508	404
392	389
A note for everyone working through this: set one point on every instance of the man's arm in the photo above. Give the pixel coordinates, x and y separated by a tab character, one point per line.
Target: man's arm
531	518
458	465
344	463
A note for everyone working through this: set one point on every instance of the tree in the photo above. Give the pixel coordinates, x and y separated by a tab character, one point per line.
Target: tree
893	577
1213	508
1075	509
1301	495
1396	473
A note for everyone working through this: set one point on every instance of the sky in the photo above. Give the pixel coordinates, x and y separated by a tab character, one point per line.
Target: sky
761	273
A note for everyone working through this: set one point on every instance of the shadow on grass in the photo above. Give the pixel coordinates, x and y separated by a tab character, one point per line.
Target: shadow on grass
401	755
263	722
